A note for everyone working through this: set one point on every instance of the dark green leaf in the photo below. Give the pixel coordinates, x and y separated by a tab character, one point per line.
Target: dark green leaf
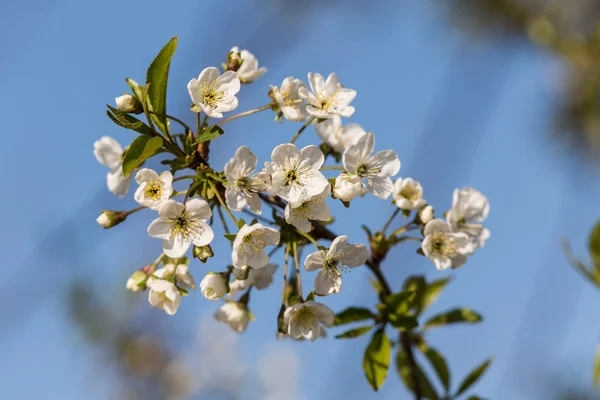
210	133
310	296
352	314
139	91
376	360
127	121
401	302
352	333
157	78
457	315
596	376
240	223
406	213
473	377
404	369
230	236
437	361
432	292
139	151
403	322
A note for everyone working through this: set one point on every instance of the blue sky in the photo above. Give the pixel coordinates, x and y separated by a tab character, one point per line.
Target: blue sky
458	112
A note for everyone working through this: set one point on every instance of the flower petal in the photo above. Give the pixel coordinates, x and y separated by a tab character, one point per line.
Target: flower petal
160	229
314	261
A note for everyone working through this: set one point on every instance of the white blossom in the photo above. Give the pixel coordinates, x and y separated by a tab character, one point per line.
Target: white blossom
235	314
214	286
347	187
109	153
260	278
181	225
327	97
425	215
304	320
442	246
408	194
295	175
154	189
249	70
337	136
242	189
137	281
376	169
104	221
215	93
314	208
291	105
165	295
249	245
340	253
181	273
469	208
125	103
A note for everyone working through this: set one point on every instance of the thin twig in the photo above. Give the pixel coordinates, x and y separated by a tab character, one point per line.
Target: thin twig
243	114
306	124
297	264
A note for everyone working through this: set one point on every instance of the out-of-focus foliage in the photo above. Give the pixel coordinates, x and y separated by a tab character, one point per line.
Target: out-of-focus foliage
568	29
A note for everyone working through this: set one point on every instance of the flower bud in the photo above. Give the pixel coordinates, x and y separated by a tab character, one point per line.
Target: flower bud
128	103
137	281
425	215
214	286
347	187
109	218
234	61
203	253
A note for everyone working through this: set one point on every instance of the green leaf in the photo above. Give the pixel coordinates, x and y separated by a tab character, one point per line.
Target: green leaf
209	133
404	369
473	377
457	315
127	121
437	361
475	397
376	360
596	376
139	151
401	302
310	296
240	223
139	91
406	213
432	292
593	275
404	322
230	236
353	314
356	332
157	78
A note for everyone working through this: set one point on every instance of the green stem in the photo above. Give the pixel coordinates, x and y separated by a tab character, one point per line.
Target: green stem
155	263
128	213
243	114
198	123
389	221
212	185
307	236
297	264
306	124
179	178
222	217
180	122
409	226
332	168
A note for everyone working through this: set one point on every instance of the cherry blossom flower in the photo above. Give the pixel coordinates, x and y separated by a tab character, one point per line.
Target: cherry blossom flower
347	187
327	97
290	104
408	194
214	286
249	245
304	320
154	189
235	314
242	188
314	208
445	248
248	71
164	295
337	136
215	93
109	153
469	208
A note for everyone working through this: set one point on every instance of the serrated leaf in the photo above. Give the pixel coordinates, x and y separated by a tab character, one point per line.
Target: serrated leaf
139	151
230	236
139	91
352	314
376	360
437	361
157	78
404	369
454	316
404	322
596	376
127	121
209	133
356	332
472	377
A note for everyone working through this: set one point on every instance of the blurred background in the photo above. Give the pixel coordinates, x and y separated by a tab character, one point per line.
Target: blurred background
500	95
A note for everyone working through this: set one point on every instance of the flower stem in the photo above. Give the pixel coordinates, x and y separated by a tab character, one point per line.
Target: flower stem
332	168
306	124
212	185
243	114
297	264
389	221
222	217
158	259
307	236
198	123
180	122
404	228
128	213
285	268
184	177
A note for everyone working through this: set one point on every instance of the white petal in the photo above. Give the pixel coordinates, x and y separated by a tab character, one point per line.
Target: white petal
355	255
198	208
108	152
159	228
390	164
316	82
176	246
234	197
171	209
229	81
145	175
380	187
314	261
116	182
284	152
203	234
318	211
327	282
313	156
338	245
436	225
254	203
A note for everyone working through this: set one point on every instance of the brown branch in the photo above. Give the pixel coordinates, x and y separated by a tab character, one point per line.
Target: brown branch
406	344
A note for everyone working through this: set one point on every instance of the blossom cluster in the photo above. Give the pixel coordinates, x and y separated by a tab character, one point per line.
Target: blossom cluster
293	179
